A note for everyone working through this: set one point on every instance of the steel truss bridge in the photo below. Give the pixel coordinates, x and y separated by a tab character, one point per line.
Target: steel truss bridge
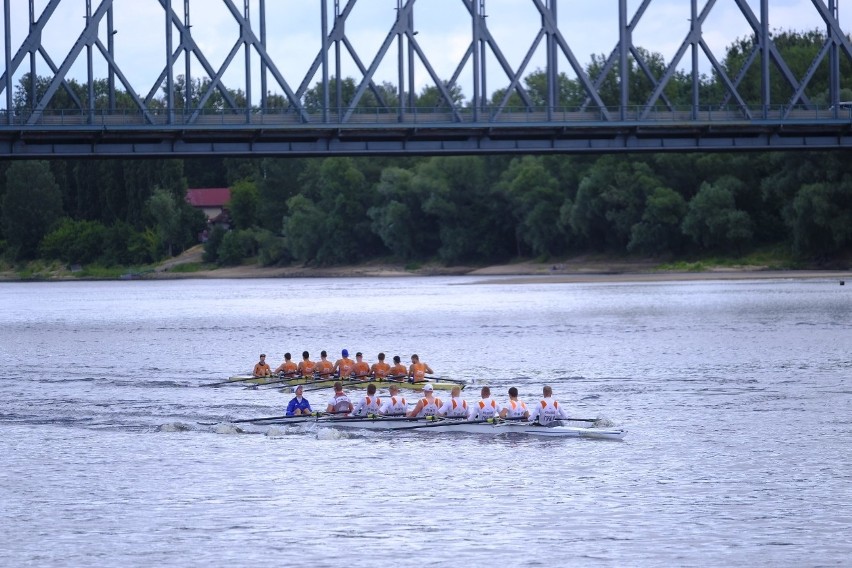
161	120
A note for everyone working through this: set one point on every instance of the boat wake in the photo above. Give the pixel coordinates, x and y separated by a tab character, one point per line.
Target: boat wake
174	427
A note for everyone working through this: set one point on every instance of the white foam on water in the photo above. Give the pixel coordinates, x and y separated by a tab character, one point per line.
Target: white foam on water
174	427
331	434
228	429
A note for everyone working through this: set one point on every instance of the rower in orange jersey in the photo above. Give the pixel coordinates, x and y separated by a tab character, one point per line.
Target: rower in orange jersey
344	366
426	406
381	369
288	367
261	368
306	366
398	371
417	371
361	369
324	367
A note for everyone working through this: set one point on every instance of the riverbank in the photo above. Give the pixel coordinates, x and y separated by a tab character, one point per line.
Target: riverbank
578	269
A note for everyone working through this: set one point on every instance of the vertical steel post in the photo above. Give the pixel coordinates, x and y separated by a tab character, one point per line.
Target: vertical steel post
324	30
623	62
111	51
187	87
411	93
247	44
262	8
765	87
834	59
552	72
337	61
8	45
90	72
400	61
32	59
475	44
695	34
170	75
483	62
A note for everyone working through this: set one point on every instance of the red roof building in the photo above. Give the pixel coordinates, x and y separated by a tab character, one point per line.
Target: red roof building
211	200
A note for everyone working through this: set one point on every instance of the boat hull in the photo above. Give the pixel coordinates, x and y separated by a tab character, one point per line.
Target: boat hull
464	426
350	384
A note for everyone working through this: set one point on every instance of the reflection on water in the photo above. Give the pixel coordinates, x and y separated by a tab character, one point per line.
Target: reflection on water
736	396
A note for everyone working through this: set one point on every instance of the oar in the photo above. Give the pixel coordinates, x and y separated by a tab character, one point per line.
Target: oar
262	419
444	380
228	382
448	422
276	382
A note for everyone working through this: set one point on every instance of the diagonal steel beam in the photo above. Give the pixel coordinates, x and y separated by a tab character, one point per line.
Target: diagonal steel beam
130	91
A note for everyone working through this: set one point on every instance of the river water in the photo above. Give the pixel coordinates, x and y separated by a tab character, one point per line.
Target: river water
736	397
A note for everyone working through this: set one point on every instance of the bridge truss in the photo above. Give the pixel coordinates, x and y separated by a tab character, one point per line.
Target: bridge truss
196	107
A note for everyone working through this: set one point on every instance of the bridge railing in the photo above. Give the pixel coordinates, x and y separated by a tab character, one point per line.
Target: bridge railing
387	117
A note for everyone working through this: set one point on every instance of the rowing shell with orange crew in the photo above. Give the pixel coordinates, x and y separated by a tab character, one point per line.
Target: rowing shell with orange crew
403	383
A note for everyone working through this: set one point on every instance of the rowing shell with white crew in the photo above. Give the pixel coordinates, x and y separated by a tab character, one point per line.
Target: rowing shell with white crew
493	426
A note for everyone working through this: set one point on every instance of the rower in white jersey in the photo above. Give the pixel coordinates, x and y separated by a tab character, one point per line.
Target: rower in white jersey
428	405
547	411
456	407
485	408
514	409
339	403
394	405
368	404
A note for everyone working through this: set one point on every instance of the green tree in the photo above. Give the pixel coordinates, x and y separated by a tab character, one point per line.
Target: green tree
243	206
303	228
534	197
821	218
712	219
31	205
75	242
659	230
165	212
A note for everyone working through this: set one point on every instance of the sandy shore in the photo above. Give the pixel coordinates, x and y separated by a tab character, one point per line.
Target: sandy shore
579	270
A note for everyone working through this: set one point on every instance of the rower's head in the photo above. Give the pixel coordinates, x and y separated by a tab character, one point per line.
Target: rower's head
455	392
371	389
359	356
323	354
427	388
338	386
393	390
485	392
415	358
513	392
547	391
263	356
305	355
396	359
345	353
287	356
298	390
381	356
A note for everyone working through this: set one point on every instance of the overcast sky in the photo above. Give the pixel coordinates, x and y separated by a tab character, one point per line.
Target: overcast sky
293	28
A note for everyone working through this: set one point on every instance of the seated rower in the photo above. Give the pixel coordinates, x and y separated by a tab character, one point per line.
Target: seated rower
426	406
548	410
361	369
288	368
381	369
456	407
417	371
515	409
486	408
339	403
344	366
261	369
324	367
299	406
306	366
369	404
395	404
398	371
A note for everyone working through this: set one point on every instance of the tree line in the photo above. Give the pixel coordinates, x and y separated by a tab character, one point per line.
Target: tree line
461	209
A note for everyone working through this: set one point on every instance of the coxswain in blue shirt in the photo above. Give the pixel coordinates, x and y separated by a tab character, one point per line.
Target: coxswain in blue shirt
299	406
